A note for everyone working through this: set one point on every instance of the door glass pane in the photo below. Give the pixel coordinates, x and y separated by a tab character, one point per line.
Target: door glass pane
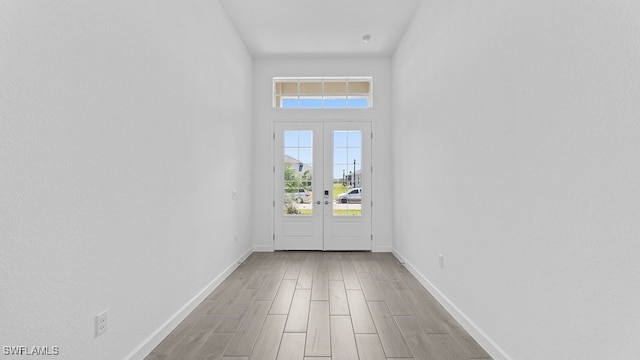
347	173
298	172
340	155
354	138
305	138
340	139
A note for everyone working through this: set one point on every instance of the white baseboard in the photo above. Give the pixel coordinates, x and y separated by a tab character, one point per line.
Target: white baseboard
142	350
496	352
385	248
262	248
270	249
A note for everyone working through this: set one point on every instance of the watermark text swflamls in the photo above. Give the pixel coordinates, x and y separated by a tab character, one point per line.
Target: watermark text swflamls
31	350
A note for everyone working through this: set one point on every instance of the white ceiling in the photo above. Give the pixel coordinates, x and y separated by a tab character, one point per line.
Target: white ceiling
322	28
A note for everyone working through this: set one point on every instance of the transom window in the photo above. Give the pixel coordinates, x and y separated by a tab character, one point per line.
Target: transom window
322	92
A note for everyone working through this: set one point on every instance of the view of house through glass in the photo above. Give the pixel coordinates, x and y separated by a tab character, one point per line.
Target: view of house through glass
298	172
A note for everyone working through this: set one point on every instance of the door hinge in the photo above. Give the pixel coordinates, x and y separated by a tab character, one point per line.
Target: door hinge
371	168
274	203
274	237
372	135
371	237
274	135
371	203
274	168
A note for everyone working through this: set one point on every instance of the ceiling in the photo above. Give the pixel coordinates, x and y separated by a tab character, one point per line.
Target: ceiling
320	28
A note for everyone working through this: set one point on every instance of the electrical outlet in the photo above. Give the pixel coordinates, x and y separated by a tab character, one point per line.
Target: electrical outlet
441	261
102	323
234	194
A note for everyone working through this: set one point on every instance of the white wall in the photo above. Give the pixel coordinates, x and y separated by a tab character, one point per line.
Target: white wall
264	116
520	122
122	127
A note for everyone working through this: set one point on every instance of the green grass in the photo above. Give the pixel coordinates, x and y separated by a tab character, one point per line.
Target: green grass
336	212
349	212
338	189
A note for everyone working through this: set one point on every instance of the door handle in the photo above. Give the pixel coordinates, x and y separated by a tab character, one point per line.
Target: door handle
318	202
326	202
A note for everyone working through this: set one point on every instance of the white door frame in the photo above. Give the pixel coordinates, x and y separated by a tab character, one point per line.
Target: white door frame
321	230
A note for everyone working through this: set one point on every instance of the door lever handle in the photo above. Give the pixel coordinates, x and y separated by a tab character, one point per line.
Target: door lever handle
318	202
326	202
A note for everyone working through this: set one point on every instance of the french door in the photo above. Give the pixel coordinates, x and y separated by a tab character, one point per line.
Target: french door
322	186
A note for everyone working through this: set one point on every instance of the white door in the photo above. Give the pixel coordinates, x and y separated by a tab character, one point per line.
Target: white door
322	186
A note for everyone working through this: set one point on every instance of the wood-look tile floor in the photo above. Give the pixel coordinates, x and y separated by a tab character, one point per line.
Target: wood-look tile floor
319	305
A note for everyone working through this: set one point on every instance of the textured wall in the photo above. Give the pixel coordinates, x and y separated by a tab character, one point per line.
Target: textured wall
520	124
124	129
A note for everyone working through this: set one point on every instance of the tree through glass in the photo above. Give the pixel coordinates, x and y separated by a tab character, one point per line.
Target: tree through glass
347	173
298	172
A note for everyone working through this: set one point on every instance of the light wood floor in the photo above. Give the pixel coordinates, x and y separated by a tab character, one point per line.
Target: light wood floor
319	305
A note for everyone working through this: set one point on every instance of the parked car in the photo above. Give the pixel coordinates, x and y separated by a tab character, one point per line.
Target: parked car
352	196
298	195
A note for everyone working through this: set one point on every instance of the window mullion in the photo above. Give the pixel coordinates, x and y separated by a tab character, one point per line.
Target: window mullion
313	92
346	105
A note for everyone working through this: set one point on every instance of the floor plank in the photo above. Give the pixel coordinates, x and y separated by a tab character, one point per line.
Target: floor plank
207	323
343	341
189	346
420	310
293	270
334	270
390	336
248	332
446	345
261	273
358	262
429	346
214	346
471	348
375	269
395	302
172	340
369	287
349	274
237	311
305	278
320	286
292	346
283	298
318	333
226	299
370	347
299	313
203	308
269	288
338	304
268	342
360	315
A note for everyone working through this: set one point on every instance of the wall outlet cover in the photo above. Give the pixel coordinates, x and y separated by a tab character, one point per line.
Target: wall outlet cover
102	323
